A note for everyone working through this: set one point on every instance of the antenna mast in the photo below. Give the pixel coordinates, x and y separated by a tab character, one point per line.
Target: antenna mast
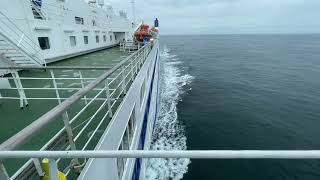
133	11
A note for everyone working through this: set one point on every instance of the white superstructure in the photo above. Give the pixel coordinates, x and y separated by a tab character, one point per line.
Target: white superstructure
43	31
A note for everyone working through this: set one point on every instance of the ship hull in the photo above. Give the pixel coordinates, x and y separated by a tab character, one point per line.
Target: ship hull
143	108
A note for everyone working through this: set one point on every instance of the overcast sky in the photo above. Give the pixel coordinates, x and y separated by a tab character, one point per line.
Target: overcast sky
227	16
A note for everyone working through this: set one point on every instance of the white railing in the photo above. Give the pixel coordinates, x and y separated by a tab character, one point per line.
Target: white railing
109	89
16	37
192	154
128	46
20	82
37	10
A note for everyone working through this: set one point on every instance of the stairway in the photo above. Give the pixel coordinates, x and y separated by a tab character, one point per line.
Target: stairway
17	49
11	52
37	13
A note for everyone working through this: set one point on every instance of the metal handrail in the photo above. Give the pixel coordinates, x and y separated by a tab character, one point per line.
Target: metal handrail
36	8
193	154
17	28
31	130
56	68
18	32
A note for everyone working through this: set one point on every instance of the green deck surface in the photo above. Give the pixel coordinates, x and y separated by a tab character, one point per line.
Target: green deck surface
13	119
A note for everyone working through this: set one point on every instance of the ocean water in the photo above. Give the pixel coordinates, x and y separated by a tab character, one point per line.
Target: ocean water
238	92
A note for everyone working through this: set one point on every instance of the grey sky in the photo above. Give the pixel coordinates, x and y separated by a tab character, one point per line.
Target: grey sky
228	16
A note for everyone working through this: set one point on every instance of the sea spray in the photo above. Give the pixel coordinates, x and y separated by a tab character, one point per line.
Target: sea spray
169	132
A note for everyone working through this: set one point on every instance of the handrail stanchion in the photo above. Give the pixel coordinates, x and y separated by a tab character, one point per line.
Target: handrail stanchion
82	85
55	85
3	172
108	98
17	81
37	165
132	70
123	83
53	170
65	118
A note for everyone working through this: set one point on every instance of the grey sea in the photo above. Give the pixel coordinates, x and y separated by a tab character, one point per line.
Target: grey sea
239	92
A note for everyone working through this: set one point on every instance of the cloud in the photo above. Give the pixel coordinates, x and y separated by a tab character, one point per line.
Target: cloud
228	16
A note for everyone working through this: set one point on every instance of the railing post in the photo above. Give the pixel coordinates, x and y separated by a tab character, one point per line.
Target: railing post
82	85
17	81
144	53
108	98
141	57
38	167
20	40
124	89
53	169
137	63
3	172
65	118
132	70
55	85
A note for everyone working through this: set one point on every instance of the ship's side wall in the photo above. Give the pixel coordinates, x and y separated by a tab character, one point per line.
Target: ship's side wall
137	105
151	117
101	26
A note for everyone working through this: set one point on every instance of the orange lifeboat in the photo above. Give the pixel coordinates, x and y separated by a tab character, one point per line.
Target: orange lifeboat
142	33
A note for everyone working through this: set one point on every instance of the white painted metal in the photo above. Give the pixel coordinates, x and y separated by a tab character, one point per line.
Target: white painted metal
3	173
123	83
108	98
118	80
22	22
65	118
16	46
82	85
111	139
196	154
38	167
133	12
22	95
53	169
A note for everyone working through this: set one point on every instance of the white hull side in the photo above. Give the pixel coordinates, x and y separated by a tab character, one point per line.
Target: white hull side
112	137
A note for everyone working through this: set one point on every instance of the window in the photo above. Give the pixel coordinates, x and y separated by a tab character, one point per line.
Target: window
85	39
94	22
97	39
104	38
142	90
115	37
110	37
72	41
44	43
79	20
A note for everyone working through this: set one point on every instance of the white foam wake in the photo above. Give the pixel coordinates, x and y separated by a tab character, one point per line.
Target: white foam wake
169	132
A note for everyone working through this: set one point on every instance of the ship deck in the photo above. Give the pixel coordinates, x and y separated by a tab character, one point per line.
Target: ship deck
41	93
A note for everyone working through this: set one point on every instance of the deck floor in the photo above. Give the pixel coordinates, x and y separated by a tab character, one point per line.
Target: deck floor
13	119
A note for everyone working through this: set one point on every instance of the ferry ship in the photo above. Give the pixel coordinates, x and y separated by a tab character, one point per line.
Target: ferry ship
56	96
79	94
